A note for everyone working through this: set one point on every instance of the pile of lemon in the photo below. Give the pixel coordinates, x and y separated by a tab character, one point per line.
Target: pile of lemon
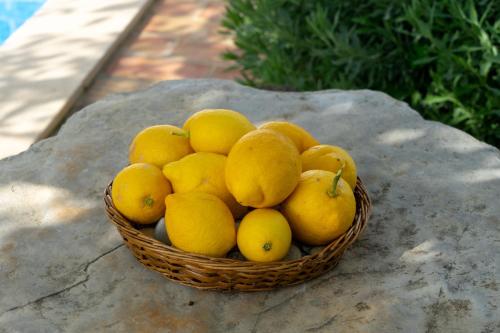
220	182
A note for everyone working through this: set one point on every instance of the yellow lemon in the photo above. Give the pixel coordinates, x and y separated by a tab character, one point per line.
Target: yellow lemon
159	145
264	235
139	192
300	137
200	223
203	172
216	130
262	169
330	158
321	208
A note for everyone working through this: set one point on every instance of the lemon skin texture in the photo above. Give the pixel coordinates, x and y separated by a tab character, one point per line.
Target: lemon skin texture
300	137
216	130
139	192
317	218
330	158
202	172
159	145
200	223
262	169
264	235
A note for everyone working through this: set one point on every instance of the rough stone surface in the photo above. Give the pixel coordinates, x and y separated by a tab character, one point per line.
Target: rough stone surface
428	260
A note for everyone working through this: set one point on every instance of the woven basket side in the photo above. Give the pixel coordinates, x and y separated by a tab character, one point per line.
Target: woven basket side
204	272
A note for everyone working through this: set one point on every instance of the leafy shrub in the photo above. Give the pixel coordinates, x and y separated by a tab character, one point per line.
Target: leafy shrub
440	56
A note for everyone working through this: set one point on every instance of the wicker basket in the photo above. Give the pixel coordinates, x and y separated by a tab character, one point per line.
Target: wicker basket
204	272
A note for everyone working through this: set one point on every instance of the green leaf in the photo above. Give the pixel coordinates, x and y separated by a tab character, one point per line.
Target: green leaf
423	61
440	56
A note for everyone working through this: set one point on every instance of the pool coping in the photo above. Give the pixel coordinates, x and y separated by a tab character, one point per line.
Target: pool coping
52	58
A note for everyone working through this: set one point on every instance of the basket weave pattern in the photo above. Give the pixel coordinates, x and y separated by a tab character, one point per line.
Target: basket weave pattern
204	272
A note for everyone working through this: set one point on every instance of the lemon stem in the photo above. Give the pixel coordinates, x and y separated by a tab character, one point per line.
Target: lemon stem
332	192
148	201
184	134
267	246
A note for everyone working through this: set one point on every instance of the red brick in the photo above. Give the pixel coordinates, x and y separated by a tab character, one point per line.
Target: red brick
223	73
178	7
151	46
158	69
213	11
175	26
179	40
201	52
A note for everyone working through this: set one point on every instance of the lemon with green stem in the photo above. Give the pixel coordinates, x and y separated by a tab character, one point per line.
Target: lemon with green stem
139	192
264	235
321	208
330	158
159	145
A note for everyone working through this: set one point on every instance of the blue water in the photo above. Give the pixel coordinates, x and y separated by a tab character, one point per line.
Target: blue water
13	13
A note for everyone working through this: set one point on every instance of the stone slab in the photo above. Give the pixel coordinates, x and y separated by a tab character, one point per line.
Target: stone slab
427	262
48	61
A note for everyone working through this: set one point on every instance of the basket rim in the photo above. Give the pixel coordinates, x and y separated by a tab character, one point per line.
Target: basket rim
126	226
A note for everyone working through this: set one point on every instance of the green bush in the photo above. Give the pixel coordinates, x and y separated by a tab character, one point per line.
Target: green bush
440	56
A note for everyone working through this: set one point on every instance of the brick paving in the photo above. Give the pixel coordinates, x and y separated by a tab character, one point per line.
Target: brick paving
176	39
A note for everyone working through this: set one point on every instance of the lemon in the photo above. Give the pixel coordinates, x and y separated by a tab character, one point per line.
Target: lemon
262	169
321	208
330	158
201	223
264	235
216	130
300	137
203	172
139	192
159	145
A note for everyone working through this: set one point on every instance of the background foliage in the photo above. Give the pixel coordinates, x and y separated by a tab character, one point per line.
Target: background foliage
440	56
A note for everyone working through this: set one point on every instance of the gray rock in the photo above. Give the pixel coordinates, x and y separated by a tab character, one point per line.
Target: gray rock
317	249
161	232
428	260
304	249
294	253
235	254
